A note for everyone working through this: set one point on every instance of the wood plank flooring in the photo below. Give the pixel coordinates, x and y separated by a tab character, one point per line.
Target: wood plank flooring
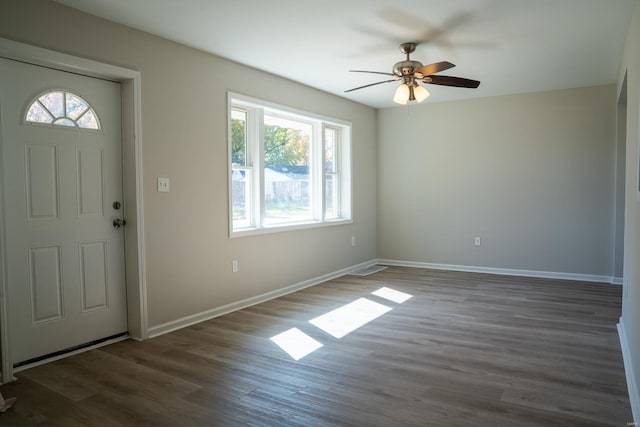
467	350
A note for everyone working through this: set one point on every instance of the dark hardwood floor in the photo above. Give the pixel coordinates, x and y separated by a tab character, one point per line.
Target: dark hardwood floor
467	350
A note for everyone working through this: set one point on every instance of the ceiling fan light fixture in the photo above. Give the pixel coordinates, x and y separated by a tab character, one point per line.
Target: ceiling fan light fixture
402	94
420	93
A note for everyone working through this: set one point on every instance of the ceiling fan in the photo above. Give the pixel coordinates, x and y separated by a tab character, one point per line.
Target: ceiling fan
411	72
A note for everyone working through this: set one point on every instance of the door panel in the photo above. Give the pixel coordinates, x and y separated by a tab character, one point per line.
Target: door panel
45	283
93	275
90	180
65	260
42	182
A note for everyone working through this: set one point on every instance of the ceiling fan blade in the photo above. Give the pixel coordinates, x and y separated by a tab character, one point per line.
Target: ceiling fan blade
374	72
451	81
372	84
436	67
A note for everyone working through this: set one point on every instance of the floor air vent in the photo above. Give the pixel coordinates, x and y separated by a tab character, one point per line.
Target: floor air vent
368	270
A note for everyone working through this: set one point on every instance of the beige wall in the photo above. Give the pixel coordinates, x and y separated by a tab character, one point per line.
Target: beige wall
630	319
184	128
532	175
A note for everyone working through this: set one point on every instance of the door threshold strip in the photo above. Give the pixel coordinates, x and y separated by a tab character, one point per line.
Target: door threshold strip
26	364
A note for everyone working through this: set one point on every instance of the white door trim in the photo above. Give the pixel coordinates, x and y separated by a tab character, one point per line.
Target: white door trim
132	186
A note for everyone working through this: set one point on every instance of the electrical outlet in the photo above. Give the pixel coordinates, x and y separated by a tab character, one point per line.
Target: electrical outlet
353	241
234	266
477	241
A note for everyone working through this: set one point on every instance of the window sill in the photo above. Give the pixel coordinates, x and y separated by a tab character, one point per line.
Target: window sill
289	227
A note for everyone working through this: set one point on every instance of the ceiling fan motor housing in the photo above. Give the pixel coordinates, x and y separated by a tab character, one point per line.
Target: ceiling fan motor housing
407	67
404	68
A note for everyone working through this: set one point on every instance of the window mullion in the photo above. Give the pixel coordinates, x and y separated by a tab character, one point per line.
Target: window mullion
324	172
346	173
317	166
258	135
337	158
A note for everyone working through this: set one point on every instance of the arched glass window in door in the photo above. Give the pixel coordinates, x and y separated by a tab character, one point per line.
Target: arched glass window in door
62	108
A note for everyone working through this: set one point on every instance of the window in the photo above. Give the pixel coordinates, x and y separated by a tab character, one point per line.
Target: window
60	108
288	169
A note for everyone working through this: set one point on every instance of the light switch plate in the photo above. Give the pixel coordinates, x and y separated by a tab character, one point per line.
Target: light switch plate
163	184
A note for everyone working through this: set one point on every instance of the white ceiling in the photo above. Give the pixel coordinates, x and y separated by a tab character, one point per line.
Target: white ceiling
511	46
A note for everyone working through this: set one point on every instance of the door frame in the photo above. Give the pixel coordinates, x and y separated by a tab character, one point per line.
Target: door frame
135	276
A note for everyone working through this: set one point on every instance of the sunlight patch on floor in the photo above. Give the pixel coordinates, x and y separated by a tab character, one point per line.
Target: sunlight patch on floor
338	323
348	318
296	343
392	295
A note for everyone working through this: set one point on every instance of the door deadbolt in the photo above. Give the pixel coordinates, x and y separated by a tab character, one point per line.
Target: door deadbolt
116	205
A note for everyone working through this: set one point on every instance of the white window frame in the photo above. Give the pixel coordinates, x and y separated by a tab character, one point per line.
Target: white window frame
337	173
255	205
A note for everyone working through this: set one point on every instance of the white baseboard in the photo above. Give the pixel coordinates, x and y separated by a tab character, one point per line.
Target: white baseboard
504	271
629	369
239	305
183	322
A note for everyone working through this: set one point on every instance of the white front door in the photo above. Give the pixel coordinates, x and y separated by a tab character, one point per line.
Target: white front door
64	258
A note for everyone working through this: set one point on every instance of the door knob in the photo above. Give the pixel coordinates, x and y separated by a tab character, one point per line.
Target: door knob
119	222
